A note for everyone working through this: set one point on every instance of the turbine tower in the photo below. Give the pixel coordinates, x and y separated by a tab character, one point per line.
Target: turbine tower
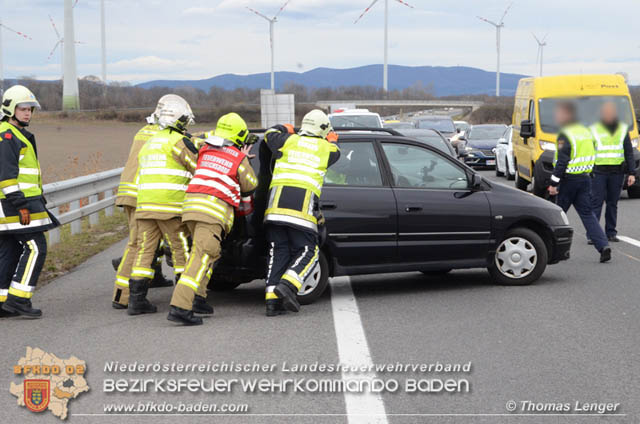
272	22
104	44
70	92
2	28
385	72
499	27
541	45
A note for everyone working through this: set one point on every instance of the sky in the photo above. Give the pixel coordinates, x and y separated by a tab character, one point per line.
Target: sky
196	39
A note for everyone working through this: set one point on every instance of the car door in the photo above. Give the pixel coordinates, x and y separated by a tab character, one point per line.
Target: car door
359	207
439	218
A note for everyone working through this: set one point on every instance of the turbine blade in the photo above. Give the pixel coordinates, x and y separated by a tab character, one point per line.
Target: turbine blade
405	3
74	4
365	11
505	12
54	49
544	39
281	9
534	36
21	34
53	24
258	13
487	21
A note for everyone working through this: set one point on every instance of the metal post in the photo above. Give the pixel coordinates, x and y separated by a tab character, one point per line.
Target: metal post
273	79
541	53
54	235
108	211
76	226
498	27
385	71
94	218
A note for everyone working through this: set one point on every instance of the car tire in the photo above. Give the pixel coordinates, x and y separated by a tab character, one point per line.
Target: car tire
633	192
309	294
521	183
522	252
498	172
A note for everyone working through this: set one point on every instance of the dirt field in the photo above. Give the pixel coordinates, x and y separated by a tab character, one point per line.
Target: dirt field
68	148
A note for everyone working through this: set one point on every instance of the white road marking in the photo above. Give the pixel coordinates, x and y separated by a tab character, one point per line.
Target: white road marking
353	351
629	240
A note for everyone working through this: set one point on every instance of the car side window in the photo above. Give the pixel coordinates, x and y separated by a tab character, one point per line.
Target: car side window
416	167
357	166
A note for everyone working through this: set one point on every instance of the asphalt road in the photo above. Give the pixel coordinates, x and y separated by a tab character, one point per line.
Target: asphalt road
572	336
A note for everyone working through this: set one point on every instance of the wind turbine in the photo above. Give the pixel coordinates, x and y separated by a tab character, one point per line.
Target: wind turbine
272	22
385	72
541	45
70	92
499	27
25	36
103	44
60	42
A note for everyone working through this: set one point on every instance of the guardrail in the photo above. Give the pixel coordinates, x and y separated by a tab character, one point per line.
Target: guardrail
97	188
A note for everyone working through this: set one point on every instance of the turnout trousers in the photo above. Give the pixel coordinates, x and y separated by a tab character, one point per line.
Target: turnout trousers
293	255
577	192
204	254
149	232
22	257
606	188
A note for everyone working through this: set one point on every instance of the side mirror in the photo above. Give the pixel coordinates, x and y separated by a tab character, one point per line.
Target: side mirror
527	129
476	181
458	130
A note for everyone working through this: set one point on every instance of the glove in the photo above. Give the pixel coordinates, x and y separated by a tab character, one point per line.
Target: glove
25	216
290	128
332	137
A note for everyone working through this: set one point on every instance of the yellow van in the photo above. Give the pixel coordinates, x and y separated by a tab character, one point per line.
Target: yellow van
534	141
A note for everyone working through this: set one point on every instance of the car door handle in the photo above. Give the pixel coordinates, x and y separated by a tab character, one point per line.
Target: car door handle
412	208
328	205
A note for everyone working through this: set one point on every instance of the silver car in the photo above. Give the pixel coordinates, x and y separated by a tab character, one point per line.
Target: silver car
505	164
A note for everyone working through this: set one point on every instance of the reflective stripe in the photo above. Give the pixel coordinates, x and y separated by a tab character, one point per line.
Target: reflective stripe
204	201
297	177
300	168
583	159
142	272
292	280
7	183
165	171
31	263
29	171
189	282
10	189
162	186
122	282
610	155
217	186
4	292
23	287
204	209
18	226
209	173
291	220
159	208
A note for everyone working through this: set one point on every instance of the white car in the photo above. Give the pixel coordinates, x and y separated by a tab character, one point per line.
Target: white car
505	164
355	118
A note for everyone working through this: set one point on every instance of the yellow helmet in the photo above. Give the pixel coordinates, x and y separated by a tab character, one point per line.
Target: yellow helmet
233	128
17	95
316	123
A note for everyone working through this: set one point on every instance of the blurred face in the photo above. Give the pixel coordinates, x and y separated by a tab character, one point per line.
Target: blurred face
563	115
23	113
609	113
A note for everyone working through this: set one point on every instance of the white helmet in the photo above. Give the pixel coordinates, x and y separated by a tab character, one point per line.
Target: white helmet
153	118
17	95
174	112
316	123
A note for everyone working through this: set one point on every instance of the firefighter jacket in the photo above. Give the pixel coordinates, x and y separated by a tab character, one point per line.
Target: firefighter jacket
128	188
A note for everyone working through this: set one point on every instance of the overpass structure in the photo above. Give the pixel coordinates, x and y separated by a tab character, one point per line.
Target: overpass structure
439	104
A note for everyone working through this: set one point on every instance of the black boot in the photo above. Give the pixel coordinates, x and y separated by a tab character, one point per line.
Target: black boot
5	314
275	308
200	306
287	292
115	263
20	306
138	303
159	280
605	255
116	305
182	316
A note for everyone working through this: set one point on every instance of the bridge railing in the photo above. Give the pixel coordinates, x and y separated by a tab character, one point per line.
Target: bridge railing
71	200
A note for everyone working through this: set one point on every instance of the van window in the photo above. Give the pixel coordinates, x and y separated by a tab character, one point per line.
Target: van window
588	111
532	112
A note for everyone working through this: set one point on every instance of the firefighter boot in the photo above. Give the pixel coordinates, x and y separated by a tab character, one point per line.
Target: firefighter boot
275	308
159	280
182	316
5	314
20	306
138	303
200	306
287	292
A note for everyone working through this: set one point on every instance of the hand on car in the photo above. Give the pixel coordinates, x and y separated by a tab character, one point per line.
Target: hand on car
553	191
631	180
247	151
25	216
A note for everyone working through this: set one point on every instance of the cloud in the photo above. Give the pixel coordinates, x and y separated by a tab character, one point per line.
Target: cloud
199	11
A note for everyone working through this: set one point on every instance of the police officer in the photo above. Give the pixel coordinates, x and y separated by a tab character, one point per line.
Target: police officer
613	151
291	217
165	166
126	198
23	215
571	179
223	178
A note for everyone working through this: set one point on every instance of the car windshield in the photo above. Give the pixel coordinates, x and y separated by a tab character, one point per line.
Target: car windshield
354	121
588	111
486	132
462	126
399	125
442	125
430	138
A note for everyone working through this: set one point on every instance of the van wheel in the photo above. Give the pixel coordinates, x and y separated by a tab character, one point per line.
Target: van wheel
317	282
521	183
633	192
520	259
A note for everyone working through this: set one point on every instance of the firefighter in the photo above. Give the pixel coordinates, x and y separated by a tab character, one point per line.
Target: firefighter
126	198
222	183
24	217
165	166
291	216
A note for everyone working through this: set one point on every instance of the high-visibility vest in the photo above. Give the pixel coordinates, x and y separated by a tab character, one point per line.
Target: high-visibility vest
128	187
217	173
162	180
583	151
609	147
29	180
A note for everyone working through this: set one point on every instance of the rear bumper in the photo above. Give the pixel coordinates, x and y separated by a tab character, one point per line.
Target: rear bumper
562	239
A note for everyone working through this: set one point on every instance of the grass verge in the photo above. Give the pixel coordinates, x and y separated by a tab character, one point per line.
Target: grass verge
74	249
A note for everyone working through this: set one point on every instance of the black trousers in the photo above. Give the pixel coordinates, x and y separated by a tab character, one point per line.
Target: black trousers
293	255
22	257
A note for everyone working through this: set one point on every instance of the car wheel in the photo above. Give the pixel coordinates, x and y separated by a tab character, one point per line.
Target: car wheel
633	192
520	259
317	282
521	183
